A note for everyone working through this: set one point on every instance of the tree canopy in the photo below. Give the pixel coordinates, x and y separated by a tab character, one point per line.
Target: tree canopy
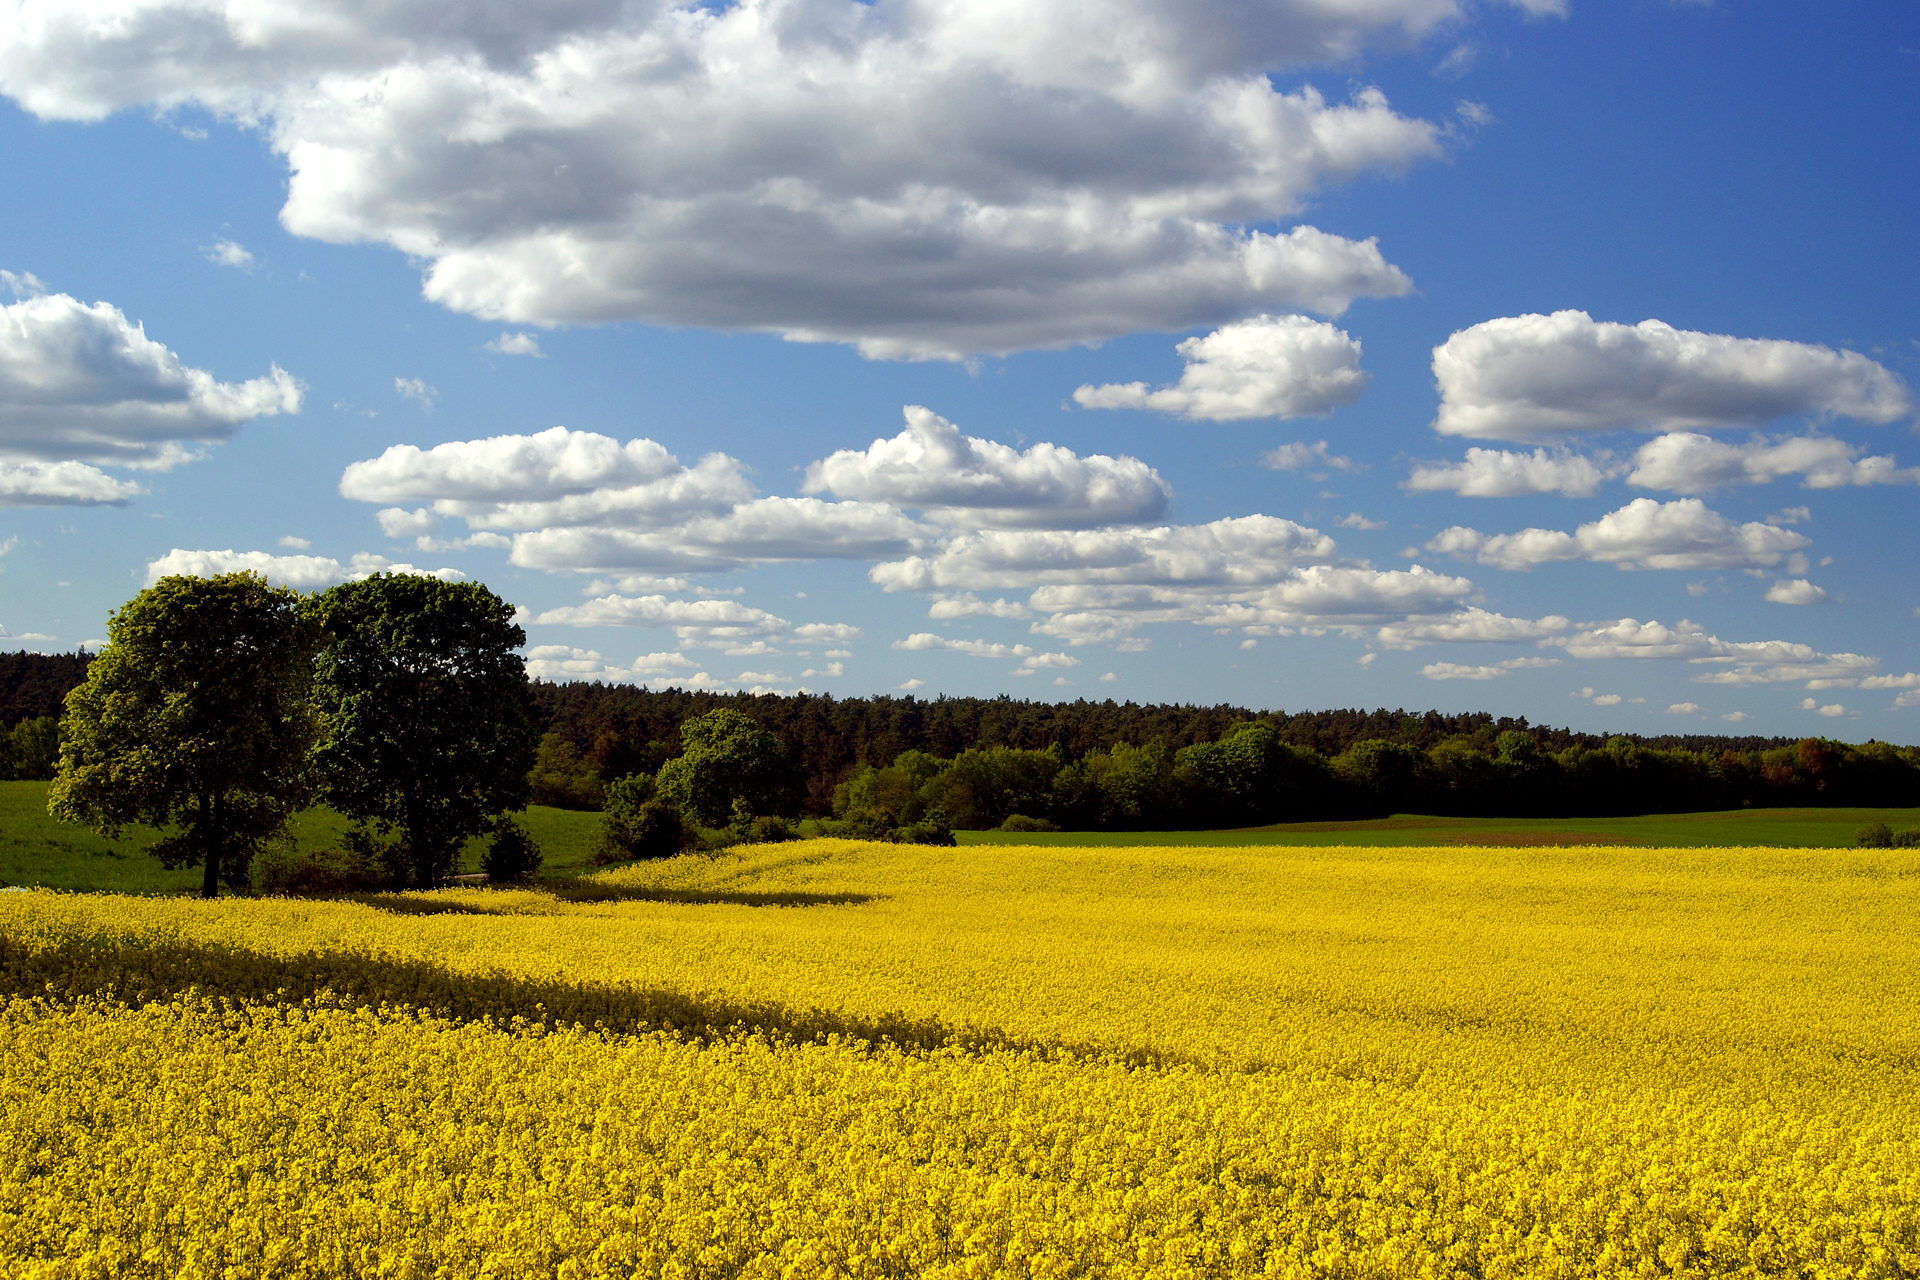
727	760
422	733
196	715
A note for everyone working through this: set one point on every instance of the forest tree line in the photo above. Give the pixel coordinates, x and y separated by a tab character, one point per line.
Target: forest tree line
976	762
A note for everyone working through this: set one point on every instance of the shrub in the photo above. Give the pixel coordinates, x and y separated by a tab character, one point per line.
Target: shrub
1021	822
653	829
1877	836
925	831
512	855
1906	839
768	830
283	870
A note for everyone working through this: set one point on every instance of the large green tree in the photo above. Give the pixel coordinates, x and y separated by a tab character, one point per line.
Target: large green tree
725	758
422	732
194	716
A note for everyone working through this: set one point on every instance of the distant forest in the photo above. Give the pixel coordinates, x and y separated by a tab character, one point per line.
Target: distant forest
1073	762
35	684
621	729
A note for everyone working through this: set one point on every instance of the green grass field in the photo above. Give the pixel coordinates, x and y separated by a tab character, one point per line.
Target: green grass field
1778	828
39	851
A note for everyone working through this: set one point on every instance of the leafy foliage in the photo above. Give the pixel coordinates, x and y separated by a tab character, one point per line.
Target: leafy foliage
636	823
563	778
422	731
30	751
195	713
727	759
33	685
512	856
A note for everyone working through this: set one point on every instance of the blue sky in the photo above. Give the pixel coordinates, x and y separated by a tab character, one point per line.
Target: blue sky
1552	360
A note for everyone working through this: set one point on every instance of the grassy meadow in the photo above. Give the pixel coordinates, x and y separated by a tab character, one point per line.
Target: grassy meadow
39	851
831	1058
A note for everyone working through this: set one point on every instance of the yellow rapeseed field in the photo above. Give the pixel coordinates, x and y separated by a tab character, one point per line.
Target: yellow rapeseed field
839	1059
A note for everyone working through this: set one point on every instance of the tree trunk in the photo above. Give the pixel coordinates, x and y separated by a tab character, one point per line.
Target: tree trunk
210	846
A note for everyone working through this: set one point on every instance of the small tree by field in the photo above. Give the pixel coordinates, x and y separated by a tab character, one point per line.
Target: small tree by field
422	733
726	757
196	715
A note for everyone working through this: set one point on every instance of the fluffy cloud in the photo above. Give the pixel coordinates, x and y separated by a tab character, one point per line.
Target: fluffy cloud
958	478
708	622
1300	456
1688	462
1683	709
230	253
1795	591
1470	626
1457	671
742	630
61	484
1266	367
1740	663
588	502
767	530
26	635
80	382
1644	534
920	177
968	605
516	344
554	477
1248	550
1536	377
1028	659
1258	574
559	662
304	573
1500	473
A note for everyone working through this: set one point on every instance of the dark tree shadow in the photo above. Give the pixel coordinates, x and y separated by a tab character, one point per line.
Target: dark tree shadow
135	970
587	892
591	891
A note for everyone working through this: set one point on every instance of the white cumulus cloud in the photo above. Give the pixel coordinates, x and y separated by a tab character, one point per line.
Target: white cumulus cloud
1644	534
1459	671
31	483
559	662
968	605
1795	591
553	477
1737	662
1266	367
1502	473
1688	462
516	344
230	253
918	177
304	573
964	479
766	530
1301	456
1537	377
80	382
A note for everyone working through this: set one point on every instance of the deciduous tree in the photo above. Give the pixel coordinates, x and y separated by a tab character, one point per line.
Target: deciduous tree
422	732
195	715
